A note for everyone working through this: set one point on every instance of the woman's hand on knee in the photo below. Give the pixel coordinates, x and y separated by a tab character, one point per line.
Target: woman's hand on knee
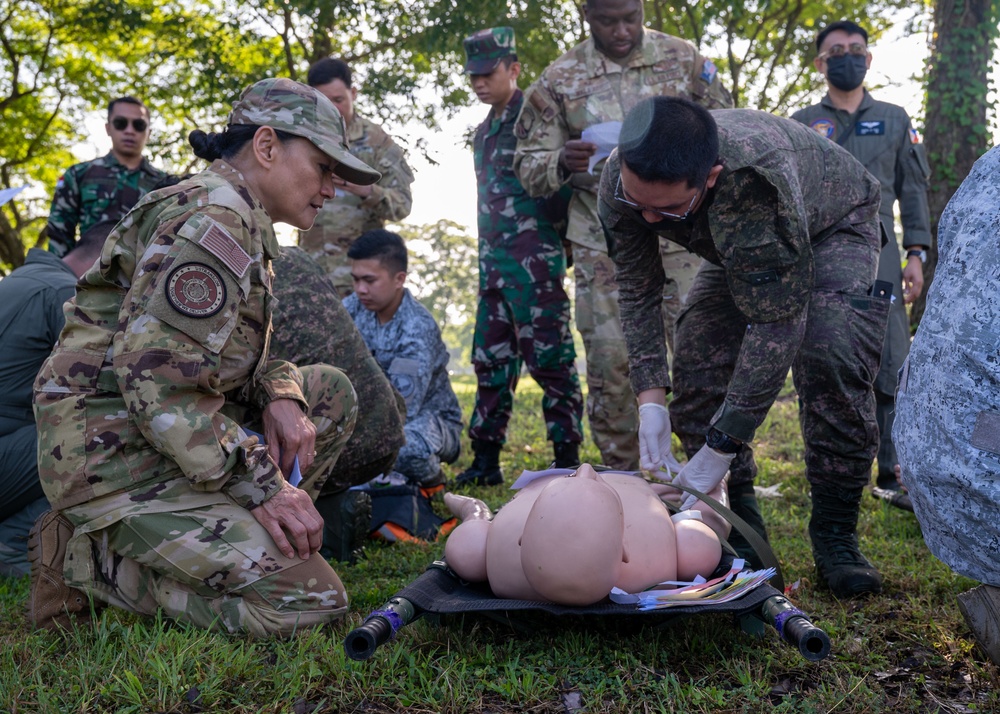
293	522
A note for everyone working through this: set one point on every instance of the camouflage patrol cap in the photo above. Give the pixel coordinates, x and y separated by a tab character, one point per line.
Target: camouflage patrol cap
486	48
300	110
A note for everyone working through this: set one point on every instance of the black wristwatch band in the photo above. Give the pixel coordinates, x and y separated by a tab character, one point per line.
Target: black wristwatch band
917	253
720	441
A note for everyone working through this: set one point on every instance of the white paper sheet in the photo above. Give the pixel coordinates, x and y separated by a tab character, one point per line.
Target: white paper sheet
605	135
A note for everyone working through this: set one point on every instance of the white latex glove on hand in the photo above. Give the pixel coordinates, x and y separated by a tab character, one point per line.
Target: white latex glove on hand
654	438
703	472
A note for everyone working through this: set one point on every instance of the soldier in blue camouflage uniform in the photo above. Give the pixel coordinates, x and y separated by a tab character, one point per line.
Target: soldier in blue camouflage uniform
106	188
406	342
880	136
788	225
947	429
163	498
523	314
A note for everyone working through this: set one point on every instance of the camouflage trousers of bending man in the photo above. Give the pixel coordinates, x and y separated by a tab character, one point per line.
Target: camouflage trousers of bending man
611	403
530	325
833	370
201	558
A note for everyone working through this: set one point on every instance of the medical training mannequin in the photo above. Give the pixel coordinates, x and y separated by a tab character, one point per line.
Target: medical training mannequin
570	539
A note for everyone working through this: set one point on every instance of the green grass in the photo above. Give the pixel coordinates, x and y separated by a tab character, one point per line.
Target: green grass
906	650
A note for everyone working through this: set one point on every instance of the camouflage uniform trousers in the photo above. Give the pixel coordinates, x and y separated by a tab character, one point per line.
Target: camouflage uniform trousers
201	558
528	324
611	404
430	440
833	370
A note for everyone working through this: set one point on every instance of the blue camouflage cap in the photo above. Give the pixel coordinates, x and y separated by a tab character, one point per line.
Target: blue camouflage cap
485	49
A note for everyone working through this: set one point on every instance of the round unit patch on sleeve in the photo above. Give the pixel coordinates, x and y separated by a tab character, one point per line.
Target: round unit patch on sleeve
196	290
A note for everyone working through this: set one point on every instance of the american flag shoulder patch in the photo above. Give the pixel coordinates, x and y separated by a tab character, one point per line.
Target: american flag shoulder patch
217	241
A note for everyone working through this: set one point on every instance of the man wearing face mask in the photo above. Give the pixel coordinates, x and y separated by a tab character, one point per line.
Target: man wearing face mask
881	137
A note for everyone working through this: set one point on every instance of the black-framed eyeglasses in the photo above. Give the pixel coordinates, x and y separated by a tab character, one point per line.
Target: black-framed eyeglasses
120	123
855	49
620	196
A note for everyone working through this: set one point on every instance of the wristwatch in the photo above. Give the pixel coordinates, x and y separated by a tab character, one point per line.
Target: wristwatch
719	441
917	253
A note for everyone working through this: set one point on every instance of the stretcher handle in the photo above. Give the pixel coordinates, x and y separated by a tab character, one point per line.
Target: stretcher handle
794	627
380	627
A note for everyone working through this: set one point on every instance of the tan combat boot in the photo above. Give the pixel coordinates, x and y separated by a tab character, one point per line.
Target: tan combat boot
52	604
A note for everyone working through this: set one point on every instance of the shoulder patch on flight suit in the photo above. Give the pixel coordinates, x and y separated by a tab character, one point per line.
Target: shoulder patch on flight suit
824	127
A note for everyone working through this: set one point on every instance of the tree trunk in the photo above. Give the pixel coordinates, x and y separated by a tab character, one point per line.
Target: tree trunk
957	84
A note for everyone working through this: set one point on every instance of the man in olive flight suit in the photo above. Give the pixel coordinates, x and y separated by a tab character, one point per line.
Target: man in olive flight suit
880	136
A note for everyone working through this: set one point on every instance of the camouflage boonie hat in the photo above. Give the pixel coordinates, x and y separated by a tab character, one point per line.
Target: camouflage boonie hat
486	48
299	109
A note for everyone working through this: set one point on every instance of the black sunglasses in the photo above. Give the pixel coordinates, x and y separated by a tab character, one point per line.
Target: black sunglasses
120	123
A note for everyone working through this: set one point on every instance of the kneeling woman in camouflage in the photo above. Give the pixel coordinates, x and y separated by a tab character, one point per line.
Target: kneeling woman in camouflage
162	498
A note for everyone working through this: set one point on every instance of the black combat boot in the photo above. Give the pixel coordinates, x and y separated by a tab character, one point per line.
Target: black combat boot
485	469
833	529
743	502
567	454
347	523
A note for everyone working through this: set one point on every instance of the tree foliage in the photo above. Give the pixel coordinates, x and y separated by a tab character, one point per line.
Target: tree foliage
444	275
188	59
61	61
764	48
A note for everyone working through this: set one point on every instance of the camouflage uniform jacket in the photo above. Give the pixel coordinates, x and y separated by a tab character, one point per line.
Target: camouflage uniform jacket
583	88
95	191
881	136
346	216
517	244
782	188
168	329
409	349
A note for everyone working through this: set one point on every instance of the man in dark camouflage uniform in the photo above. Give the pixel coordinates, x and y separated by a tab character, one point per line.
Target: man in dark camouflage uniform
106	188
523	313
880	136
787	223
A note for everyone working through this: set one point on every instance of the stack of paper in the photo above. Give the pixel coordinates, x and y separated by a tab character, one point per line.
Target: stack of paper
730	586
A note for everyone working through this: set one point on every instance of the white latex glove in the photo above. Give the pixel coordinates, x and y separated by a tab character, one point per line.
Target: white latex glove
703	472
654	437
